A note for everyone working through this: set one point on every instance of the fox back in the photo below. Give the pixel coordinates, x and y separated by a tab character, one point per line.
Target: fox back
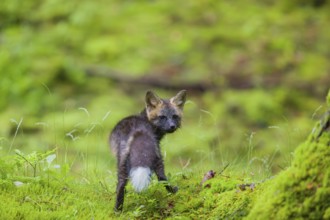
135	142
136	149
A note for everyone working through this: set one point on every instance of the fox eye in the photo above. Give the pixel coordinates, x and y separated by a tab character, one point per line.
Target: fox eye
175	117
162	117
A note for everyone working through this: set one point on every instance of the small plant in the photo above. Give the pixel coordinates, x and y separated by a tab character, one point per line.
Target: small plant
34	160
41	164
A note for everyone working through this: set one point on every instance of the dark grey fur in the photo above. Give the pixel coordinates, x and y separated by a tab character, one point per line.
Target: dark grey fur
135	141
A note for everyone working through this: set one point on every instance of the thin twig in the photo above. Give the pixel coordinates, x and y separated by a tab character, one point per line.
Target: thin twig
224	169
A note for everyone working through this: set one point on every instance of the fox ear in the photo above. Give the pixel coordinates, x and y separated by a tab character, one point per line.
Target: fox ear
152	100
179	99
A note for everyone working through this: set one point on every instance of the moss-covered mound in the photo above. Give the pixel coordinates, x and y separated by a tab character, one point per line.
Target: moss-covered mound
303	190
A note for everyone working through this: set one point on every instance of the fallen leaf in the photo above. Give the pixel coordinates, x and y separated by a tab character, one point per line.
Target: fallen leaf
209	175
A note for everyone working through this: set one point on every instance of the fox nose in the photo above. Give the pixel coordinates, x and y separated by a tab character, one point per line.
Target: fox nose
172	126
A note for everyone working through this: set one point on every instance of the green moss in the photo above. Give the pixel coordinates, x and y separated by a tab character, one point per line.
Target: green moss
303	190
36	201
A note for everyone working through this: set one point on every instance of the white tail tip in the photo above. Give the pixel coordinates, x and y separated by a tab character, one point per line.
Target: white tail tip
140	177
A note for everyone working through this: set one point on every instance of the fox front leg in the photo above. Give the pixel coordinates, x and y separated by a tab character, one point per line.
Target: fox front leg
162	177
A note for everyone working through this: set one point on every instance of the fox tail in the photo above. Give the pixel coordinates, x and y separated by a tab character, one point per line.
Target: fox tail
140	178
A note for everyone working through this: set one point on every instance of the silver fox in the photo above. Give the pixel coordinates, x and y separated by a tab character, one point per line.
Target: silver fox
135	142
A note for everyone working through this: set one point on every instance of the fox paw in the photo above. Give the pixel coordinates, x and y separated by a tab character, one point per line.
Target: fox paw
172	189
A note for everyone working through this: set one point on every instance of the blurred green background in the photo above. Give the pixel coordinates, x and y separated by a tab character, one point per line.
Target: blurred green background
256	73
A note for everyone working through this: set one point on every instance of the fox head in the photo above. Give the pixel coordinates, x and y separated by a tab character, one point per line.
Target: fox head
165	114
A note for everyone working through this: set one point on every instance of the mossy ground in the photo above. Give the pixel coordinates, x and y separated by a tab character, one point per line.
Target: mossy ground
219	197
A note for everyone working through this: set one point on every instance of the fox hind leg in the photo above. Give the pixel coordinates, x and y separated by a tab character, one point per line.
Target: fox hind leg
122	182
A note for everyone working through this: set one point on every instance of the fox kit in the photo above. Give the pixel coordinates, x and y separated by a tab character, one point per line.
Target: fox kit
135	142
